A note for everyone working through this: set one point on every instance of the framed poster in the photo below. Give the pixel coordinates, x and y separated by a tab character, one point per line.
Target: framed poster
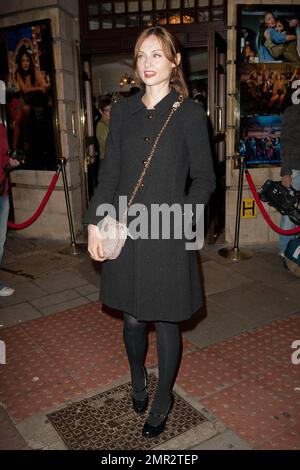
268	78
27	68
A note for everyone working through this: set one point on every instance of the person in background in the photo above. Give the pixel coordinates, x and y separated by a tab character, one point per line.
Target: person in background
198	93
290	164
102	128
5	162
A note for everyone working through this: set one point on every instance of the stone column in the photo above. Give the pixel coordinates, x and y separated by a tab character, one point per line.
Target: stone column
29	186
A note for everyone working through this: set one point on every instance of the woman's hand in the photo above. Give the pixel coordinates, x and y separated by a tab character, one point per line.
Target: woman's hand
95	247
267	35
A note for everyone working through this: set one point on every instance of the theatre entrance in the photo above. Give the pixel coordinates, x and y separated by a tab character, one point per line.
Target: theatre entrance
108	34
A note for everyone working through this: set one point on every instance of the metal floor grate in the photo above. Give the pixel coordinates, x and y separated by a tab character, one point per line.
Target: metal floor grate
107	421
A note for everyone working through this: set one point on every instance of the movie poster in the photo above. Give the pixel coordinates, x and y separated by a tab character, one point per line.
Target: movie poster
27	69
268	80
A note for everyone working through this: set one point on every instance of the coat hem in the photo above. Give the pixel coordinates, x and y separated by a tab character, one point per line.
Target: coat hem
151	318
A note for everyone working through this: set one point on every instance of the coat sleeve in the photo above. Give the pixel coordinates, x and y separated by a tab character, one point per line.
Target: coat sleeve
109	172
200	157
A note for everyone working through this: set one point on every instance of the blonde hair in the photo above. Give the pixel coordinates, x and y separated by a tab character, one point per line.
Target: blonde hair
171	48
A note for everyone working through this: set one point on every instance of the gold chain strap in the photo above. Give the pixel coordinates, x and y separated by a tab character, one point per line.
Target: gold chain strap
150	156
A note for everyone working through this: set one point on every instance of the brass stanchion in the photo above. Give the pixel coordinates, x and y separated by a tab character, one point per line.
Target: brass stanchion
235	254
74	248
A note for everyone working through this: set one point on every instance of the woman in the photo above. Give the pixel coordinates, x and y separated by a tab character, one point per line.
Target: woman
153	279
29	82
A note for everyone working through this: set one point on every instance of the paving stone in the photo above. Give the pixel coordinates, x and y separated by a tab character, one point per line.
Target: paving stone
218	278
227	440
57	445
53	299
12	278
10	437
220	323
60	281
17	314
36	264
266	269
25	292
38	432
87	289
93	297
188	439
257	302
64	306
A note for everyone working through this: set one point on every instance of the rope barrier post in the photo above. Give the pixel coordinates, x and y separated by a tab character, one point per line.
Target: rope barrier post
74	249
235	254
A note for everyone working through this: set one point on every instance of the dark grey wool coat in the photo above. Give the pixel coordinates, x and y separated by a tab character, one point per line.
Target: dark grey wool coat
154	280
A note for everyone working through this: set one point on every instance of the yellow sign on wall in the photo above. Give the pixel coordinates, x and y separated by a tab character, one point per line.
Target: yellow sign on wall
248	208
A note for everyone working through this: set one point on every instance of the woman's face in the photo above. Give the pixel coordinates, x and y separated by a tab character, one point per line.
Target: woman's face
25	62
279	27
152	65
270	20
106	113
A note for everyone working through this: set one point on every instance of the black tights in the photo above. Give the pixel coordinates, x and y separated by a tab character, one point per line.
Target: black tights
168	338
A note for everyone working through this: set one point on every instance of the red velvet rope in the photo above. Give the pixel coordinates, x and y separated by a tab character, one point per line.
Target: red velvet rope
39	209
275	227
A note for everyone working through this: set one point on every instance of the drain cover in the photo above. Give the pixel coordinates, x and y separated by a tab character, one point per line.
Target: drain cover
107	421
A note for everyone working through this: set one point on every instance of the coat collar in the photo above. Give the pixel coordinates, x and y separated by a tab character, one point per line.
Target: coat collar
164	105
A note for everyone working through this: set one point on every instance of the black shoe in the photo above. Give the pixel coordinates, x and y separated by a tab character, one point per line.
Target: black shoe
153	431
140	406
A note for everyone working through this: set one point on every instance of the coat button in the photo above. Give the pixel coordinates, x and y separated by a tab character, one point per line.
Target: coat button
146	139
142	185
150	116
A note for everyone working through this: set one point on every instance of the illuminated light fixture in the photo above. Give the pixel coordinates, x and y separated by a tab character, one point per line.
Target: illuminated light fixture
127	80
188	19
176	19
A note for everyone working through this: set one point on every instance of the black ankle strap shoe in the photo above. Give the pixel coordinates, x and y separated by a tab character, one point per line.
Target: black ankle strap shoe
153	431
